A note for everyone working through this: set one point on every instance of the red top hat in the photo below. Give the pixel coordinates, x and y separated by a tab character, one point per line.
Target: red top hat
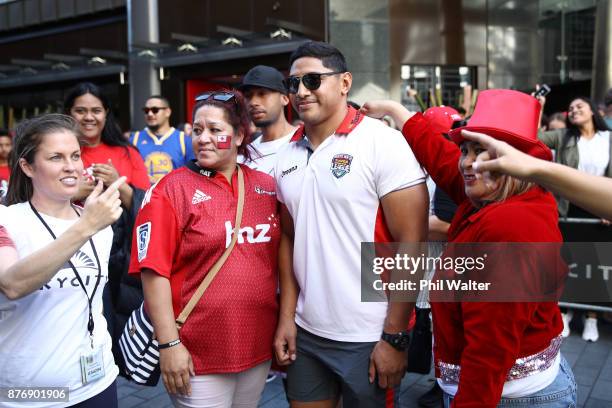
441	118
510	116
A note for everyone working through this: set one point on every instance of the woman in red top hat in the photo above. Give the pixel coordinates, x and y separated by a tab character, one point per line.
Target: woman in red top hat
491	354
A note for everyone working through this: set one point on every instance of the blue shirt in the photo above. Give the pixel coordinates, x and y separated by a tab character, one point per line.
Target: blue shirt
162	154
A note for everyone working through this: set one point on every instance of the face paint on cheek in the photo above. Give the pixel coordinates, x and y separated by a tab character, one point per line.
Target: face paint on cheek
224	142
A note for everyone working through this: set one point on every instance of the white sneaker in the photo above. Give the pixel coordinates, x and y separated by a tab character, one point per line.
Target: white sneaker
567	318
590	332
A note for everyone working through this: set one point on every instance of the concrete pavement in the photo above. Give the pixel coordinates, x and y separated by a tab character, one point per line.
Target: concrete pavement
591	362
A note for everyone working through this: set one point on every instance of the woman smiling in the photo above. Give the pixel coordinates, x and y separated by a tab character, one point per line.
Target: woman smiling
52	330
490	353
222	354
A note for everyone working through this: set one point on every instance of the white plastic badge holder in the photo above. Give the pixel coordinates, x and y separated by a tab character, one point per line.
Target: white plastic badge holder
92	366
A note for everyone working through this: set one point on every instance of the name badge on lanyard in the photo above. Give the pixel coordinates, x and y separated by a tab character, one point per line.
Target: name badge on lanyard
92	366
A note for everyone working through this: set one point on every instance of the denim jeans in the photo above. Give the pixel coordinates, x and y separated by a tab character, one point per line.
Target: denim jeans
561	393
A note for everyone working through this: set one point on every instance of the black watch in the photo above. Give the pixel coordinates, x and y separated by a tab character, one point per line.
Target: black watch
399	341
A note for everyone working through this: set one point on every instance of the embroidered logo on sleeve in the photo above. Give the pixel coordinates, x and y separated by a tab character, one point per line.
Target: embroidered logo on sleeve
341	164
143	233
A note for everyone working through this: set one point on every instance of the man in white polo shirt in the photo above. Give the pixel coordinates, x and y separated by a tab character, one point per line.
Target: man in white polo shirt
266	97
342	180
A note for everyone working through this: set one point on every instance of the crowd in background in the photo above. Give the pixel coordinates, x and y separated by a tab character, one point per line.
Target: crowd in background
98	221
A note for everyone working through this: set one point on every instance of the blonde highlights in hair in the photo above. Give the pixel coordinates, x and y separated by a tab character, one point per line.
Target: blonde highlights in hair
508	186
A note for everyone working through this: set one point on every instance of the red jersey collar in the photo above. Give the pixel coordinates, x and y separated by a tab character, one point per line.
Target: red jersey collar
351	120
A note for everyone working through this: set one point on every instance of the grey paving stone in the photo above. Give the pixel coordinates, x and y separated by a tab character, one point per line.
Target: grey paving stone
272	390
583	393
590	360
150	392
602	390
592	364
606	371
130	401
275	403
574	340
124	390
571	358
410	379
121	381
585	375
161	401
409	397
571	346
601	348
596	403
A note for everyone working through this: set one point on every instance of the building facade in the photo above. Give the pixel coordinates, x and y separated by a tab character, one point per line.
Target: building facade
395	48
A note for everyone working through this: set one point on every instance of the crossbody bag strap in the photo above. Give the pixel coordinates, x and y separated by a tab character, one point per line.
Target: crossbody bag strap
180	320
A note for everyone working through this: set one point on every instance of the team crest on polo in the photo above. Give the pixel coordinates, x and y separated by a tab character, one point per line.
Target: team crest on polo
341	164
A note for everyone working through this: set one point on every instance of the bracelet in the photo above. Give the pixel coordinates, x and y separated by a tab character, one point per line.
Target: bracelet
169	344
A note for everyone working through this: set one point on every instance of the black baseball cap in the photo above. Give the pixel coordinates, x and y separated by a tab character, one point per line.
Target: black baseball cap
263	76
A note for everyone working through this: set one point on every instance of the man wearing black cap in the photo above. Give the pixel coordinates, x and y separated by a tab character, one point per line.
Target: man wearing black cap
266	96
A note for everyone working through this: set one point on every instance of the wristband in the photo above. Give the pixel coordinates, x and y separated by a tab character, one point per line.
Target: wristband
169	344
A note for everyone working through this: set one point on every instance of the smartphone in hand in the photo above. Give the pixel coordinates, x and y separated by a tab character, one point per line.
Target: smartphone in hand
543	91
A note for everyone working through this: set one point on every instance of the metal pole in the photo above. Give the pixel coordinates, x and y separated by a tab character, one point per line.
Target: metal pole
602	51
143	26
583	306
563	56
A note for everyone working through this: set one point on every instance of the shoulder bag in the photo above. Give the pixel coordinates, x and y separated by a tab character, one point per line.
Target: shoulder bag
138	344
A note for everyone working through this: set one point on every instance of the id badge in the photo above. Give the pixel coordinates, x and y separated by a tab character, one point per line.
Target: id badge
92	366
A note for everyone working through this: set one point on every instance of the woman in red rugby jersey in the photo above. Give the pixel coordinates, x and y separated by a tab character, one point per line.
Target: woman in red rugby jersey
222	354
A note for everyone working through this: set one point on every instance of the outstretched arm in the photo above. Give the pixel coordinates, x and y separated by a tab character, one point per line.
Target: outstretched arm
30	273
433	151
590	192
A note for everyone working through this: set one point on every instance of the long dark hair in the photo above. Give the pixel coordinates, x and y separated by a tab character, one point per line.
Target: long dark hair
598	122
111	134
237	115
29	135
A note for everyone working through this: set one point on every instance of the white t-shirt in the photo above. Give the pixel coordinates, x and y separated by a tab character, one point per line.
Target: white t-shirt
44	334
594	154
333	195
264	154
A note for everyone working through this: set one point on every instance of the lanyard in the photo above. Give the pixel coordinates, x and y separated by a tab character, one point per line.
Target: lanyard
90	323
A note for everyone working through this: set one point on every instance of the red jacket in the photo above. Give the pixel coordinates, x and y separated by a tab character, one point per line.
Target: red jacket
486	338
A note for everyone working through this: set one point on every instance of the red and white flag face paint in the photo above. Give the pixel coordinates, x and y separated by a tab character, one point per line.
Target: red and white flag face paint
224	142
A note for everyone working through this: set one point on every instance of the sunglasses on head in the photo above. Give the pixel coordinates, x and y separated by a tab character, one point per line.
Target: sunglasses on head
311	81
153	109
216	96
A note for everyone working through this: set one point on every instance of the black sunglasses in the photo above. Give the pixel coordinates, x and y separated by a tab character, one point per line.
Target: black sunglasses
217	96
154	109
311	81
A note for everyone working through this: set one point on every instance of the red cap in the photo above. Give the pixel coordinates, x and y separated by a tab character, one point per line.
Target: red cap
441	118
510	116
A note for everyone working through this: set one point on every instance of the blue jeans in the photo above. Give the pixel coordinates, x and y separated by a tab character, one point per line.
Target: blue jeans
560	394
